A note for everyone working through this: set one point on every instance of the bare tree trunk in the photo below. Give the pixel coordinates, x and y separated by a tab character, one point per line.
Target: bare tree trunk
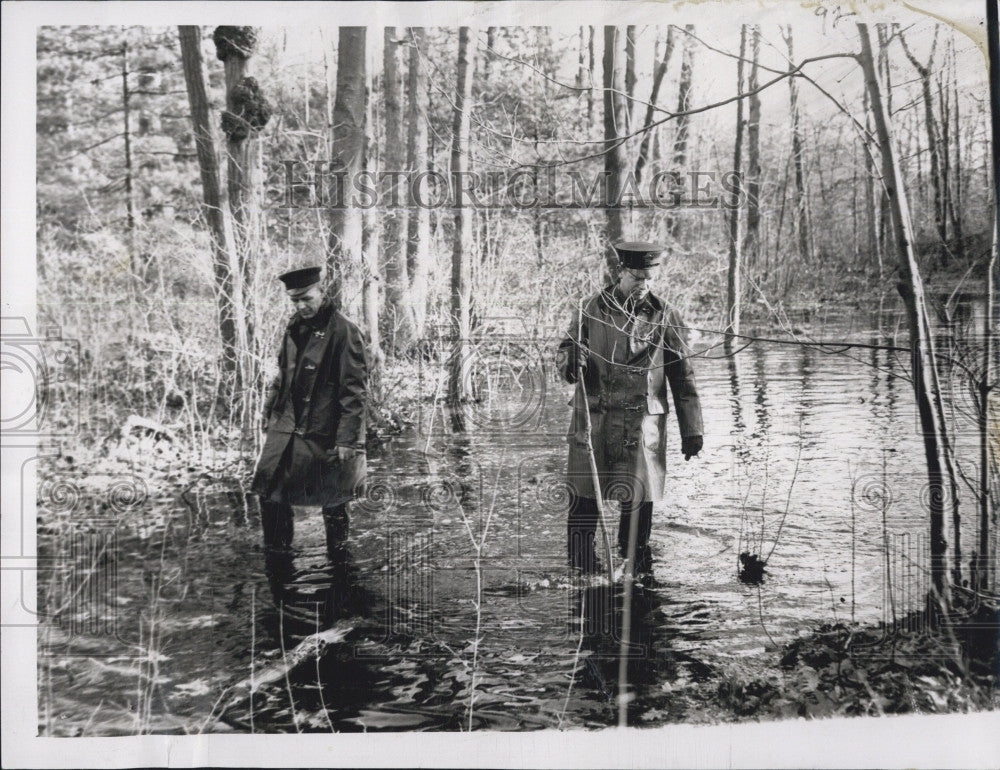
752	242
922	339
394	245
129	191
344	255
658	74
683	122
802	219
989	405
459	388
208	166
630	76
328	89
246	113
955	185
873	194
592	66
884	219
581	62
491	43
733	283
933	136
371	237
615	158
944	137
418	246
235	46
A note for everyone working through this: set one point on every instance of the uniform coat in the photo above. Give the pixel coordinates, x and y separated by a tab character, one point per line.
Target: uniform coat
633	356
327	382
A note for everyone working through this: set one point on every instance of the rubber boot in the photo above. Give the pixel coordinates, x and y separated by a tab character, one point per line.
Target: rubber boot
278	523
643	553
337	523
581	529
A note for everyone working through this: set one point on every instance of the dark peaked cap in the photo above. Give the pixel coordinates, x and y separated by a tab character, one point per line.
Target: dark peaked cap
301	278
638	255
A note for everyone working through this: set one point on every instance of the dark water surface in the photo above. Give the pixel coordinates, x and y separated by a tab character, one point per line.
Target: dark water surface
197	604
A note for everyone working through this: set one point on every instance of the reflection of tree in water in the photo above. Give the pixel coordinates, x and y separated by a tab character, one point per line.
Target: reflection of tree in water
736	404
763	419
652	662
806	365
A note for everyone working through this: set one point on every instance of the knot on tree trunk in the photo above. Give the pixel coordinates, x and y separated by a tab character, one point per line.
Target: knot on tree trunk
251	111
234	41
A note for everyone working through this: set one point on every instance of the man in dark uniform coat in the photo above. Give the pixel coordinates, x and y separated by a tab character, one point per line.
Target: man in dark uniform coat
630	345
314	416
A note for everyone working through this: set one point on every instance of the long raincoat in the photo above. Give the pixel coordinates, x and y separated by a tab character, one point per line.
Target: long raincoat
634	353
317	402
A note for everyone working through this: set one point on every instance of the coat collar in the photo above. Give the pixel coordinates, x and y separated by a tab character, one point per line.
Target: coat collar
318	321
611	300
320	332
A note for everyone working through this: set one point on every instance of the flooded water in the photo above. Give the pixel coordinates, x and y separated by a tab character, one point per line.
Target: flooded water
454	607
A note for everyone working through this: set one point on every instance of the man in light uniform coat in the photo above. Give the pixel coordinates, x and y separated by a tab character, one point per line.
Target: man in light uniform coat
314	416
630	344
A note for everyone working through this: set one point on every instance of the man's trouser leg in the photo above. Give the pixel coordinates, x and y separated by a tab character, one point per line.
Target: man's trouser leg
581	529
277	522
336	522
643	555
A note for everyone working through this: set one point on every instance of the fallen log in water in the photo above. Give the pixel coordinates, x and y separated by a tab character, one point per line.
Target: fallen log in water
310	648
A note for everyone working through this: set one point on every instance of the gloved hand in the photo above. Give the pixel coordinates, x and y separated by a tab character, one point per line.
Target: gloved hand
579	357
691	446
569	358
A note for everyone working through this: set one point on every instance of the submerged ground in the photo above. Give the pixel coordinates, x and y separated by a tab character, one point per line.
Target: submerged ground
454	608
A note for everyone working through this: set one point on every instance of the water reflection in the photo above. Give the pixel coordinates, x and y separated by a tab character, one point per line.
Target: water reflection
760	379
652	662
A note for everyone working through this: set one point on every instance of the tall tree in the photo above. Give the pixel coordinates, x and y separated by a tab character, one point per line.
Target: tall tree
955	184
592	68
803	226
658	74
884	219
630	76
418	247
752	241
127	133
372	295
616	164
923	362
247	111
345	245
683	122
491	44
733	282
208	165
933	132
397	278
989	400
873	193
459	387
